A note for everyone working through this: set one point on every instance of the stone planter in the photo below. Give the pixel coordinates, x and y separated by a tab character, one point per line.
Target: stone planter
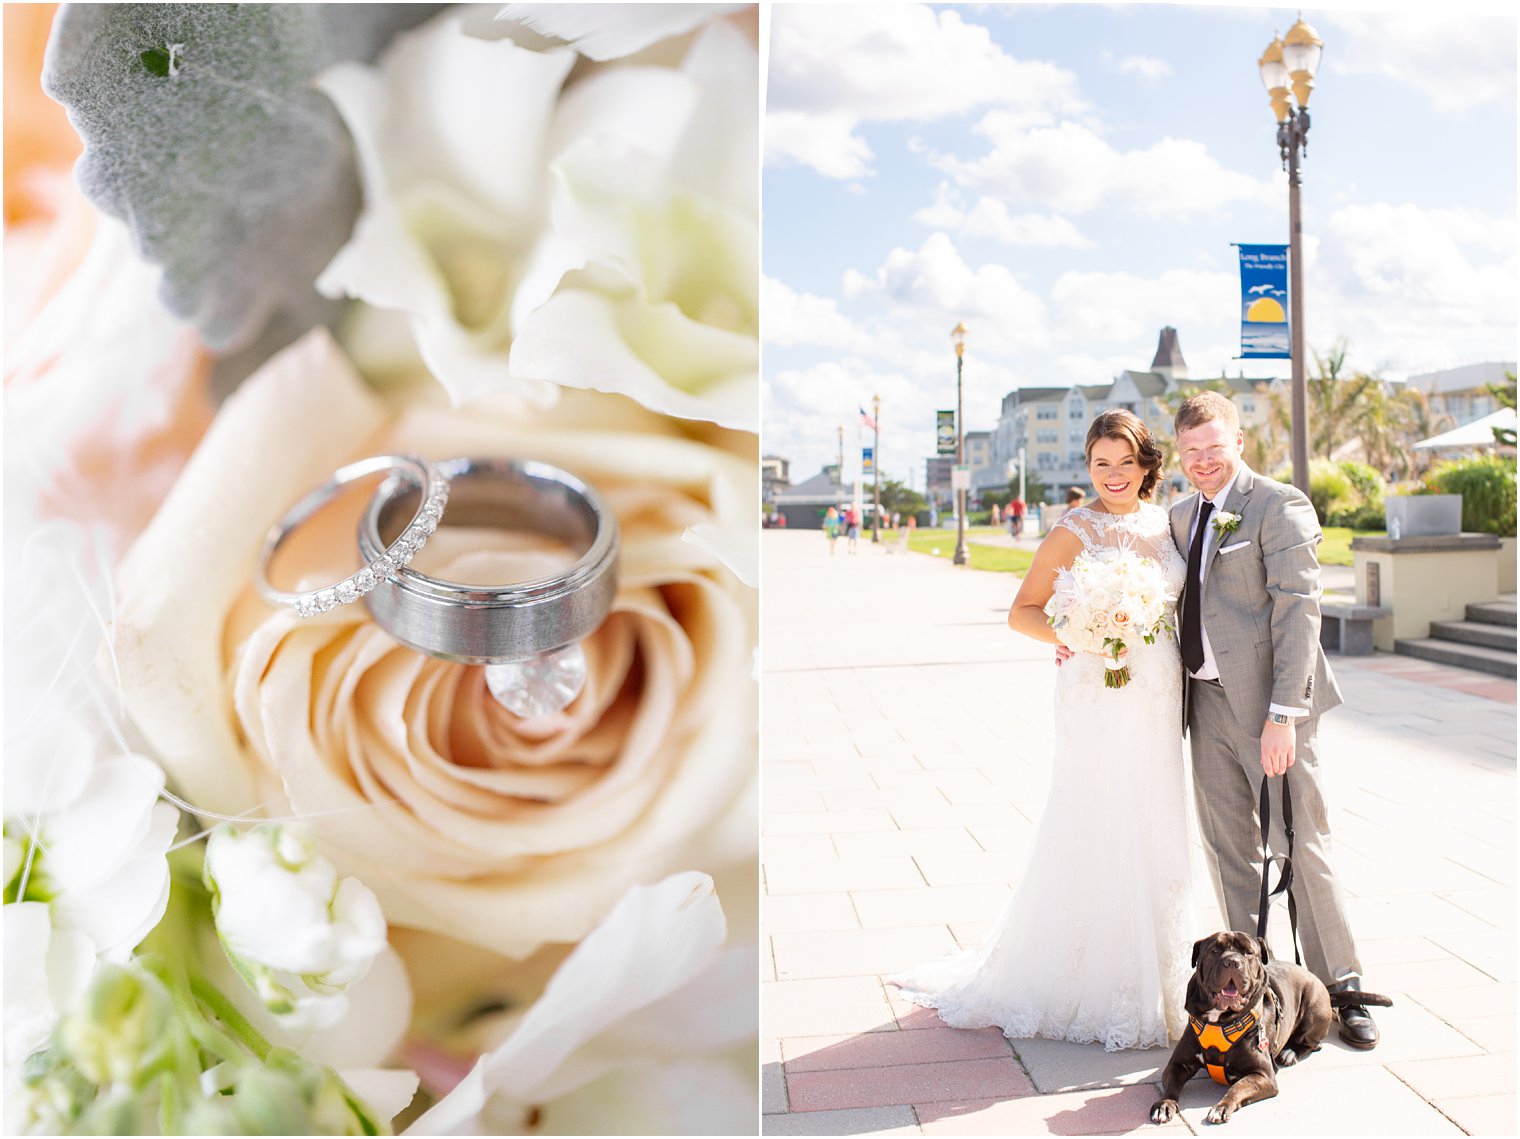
1423	515
1506	565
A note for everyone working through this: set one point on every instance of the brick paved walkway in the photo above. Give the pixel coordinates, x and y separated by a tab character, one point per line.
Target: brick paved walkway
906	760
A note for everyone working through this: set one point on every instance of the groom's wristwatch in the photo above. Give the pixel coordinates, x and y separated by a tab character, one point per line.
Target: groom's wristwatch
1279	718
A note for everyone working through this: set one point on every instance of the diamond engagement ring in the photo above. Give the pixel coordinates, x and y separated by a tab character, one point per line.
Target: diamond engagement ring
527	633
430	492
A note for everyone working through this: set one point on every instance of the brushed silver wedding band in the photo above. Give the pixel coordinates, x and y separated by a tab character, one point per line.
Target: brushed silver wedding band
429	491
475	624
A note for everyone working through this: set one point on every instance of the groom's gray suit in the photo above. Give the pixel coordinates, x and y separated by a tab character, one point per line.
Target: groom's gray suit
1259	608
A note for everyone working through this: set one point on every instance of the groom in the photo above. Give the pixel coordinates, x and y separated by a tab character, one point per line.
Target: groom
1256	683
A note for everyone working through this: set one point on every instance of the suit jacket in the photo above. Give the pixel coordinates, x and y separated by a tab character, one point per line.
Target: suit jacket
1260	600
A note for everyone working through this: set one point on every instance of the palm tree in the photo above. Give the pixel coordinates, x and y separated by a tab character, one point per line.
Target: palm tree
1337	405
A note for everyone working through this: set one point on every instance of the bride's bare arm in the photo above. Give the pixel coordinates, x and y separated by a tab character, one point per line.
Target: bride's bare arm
1059	549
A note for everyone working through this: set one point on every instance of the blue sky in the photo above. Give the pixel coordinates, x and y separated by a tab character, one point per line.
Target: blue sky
1066	179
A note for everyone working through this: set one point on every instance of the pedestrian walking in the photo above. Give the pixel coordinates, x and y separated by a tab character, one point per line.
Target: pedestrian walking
831	528
1016	510
852	528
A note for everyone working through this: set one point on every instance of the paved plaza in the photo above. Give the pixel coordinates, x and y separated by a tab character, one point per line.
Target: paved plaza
907	738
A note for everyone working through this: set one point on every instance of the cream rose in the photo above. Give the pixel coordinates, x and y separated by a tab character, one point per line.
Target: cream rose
462	818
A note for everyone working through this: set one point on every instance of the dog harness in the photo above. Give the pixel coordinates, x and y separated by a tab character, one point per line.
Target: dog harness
1216	1040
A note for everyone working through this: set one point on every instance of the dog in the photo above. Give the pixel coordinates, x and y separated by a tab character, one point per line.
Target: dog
1247	1016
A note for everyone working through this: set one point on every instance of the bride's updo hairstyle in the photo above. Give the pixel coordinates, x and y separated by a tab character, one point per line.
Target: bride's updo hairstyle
1129	428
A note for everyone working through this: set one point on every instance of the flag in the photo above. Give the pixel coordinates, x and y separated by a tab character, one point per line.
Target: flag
866	421
1263	294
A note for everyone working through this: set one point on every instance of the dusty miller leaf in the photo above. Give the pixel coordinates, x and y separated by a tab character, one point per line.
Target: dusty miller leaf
203	133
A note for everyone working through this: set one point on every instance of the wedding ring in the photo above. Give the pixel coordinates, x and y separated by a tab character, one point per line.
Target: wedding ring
527	633
431	492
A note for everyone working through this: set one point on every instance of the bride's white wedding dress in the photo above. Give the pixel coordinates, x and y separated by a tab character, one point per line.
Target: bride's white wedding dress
1094	944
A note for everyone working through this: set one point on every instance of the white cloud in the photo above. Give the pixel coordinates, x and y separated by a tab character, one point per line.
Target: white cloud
849	64
1070	169
934	281
990	218
1143	67
822	141
791	318
1126	311
1416	288
1458	62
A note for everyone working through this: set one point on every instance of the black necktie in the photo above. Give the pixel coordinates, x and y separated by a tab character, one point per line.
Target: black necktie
1192	626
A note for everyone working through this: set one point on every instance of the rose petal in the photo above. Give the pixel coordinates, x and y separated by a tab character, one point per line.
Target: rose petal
169	629
655	940
609	31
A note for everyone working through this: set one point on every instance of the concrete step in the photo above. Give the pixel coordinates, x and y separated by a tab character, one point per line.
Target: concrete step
1475	633
1501	612
1496	662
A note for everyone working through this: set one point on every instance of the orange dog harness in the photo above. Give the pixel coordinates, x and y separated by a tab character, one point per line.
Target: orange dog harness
1216	1040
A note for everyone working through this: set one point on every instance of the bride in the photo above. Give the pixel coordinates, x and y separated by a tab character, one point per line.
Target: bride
1094	943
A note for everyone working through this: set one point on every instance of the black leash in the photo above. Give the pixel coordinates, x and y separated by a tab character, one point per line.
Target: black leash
1285	873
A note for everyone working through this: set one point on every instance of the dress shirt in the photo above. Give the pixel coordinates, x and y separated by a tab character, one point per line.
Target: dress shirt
1209	670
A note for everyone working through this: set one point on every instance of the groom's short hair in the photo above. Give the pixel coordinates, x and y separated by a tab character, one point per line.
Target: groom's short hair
1203	407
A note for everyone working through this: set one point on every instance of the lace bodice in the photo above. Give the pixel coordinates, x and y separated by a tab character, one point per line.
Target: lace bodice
1147	531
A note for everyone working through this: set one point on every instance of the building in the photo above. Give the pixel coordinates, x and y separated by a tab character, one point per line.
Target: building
979	456
1050	423
1462	393
805	504
775	476
937	472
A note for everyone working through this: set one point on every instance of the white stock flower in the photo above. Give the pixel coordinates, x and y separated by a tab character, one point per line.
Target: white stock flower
46	969
596	231
97	853
634	1023
297	933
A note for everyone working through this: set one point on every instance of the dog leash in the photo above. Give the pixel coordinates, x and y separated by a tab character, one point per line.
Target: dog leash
1285	873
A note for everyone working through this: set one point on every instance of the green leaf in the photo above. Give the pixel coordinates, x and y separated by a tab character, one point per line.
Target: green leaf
157	61
203	133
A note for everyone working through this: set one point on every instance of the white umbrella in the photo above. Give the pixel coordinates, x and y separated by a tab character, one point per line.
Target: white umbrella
1470	436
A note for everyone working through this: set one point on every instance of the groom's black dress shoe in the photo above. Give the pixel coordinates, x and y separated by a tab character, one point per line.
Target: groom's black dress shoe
1357	1028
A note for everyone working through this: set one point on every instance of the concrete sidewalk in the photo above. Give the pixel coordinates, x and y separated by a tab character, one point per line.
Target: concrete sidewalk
906	754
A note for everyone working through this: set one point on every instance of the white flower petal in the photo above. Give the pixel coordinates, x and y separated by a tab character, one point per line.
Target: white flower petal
655	940
46	970
88	840
692	1098
118	911
388	1090
417	122
738	550
610	31
719	155
579	339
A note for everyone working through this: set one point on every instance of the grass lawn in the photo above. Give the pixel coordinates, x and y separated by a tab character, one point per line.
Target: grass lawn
1335	550
941	543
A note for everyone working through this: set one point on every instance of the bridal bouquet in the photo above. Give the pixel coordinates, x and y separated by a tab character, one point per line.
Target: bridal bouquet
267	874
1105	600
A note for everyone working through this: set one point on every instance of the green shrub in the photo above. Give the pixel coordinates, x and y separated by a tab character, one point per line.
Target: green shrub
1330	490
1487	486
1366	481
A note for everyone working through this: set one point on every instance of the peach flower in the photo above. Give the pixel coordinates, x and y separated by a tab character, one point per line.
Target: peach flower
464	819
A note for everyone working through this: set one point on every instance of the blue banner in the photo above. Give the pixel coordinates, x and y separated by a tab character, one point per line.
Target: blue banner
1264	302
867	461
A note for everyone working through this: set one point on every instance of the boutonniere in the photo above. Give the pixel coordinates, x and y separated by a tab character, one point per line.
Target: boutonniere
1226	523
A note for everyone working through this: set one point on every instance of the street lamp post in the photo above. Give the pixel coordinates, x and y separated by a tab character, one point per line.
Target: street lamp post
876	468
958	338
1293	61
